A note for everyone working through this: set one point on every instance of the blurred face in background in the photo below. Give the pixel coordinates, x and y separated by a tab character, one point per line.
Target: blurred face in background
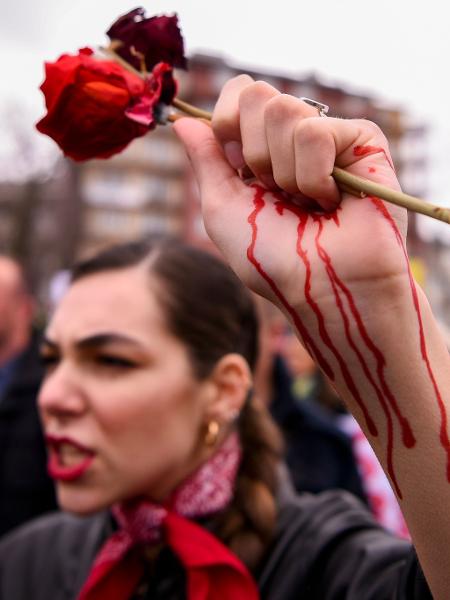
6	314
123	413
16	310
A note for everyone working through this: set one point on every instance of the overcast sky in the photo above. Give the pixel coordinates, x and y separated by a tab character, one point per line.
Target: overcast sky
396	50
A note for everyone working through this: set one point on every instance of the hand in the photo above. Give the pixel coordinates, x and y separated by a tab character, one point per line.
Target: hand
292	151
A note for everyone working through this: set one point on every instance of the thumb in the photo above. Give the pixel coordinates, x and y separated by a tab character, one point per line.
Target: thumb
212	170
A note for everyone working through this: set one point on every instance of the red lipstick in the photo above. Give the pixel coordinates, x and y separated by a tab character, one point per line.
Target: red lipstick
58	447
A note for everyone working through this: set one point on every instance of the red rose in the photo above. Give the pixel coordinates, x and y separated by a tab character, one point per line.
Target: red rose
87	100
157	39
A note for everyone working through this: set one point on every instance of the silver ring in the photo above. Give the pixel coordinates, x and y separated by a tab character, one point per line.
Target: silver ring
322	108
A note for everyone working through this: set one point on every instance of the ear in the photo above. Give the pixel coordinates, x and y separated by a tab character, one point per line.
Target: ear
229	384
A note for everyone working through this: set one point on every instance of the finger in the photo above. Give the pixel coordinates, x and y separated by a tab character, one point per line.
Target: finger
252	104
319	143
281	114
226	120
371	141
212	170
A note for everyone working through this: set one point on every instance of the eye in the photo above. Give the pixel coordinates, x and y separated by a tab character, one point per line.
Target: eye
48	361
115	362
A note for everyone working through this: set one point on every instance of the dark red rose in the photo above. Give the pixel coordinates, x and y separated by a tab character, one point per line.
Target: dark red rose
87	100
157	39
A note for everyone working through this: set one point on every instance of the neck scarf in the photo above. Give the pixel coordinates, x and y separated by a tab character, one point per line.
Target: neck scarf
213	572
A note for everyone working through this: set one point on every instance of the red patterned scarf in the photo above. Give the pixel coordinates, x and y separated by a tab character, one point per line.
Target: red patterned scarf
213	571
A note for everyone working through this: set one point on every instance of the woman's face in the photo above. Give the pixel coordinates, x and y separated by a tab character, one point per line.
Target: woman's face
122	411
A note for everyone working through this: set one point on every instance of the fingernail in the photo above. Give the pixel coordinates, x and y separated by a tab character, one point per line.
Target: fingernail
233	152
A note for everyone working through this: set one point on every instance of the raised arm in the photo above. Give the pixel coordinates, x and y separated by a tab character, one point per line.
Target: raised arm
341	276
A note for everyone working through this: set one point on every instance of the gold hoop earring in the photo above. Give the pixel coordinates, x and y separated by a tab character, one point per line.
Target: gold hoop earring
212	433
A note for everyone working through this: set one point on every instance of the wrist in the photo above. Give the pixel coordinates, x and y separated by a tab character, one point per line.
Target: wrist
376	305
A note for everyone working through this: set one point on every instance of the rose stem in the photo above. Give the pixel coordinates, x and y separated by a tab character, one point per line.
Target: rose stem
365	187
191	110
345	180
118	59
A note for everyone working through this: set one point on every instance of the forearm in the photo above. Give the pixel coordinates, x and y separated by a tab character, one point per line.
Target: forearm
389	363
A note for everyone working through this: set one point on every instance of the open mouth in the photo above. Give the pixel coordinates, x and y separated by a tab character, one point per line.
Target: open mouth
68	460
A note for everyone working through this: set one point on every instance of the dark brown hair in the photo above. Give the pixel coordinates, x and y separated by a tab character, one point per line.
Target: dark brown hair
213	314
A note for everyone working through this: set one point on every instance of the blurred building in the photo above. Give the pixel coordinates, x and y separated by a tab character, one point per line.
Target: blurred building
137	192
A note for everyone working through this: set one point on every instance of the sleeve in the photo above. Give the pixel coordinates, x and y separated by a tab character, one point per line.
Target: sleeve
330	548
368	564
48	557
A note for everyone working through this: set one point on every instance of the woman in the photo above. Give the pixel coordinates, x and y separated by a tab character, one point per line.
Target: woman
148	411
148	378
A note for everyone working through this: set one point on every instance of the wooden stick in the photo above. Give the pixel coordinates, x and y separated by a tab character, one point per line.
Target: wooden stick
191	110
365	187
109	51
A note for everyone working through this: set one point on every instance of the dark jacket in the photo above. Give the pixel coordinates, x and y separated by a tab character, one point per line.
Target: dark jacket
327	547
25	488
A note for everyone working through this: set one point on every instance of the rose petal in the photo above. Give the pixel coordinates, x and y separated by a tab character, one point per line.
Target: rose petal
154	39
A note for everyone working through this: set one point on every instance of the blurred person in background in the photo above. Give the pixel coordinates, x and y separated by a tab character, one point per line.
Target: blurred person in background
326	446
318	454
26	488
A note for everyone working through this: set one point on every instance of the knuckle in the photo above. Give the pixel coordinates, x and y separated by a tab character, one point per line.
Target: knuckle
310	131
278	107
372	129
371	126
242	79
256	92
237	82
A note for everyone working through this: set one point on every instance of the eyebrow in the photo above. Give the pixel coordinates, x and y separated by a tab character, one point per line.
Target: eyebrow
94	341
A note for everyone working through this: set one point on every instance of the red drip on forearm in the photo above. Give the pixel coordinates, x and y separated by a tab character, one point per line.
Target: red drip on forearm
303	220
443	436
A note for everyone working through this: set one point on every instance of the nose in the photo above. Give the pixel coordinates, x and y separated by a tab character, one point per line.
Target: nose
61	394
